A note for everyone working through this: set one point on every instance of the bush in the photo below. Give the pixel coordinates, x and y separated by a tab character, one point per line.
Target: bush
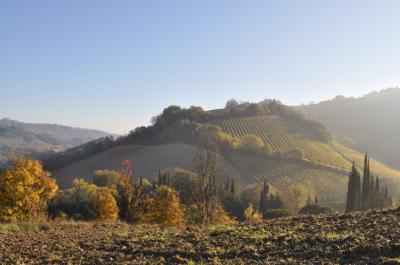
317	209
193	215
276	213
220	216
164	208
185	182
105	205
106	178
252	215
84	201
251	143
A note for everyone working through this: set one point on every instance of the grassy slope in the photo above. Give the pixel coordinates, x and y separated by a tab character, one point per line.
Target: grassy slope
361	238
147	160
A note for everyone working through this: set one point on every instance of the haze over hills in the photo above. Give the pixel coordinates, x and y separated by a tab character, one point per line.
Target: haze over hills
259	141
23	138
369	123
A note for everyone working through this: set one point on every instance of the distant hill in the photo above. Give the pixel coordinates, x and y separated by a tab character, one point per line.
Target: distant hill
370	123
24	138
297	150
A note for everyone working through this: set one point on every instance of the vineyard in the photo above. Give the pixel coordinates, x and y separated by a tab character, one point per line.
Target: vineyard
330	185
326	175
278	137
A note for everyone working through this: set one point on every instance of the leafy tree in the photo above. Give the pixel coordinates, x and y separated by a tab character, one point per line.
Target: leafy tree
317	209
231	104
25	189
252	215
185	182
106	178
130	199
164	207
206	161
251	143
85	201
105	205
294	196
276	213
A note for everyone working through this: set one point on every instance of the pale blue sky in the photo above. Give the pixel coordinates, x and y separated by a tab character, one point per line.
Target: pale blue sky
112	65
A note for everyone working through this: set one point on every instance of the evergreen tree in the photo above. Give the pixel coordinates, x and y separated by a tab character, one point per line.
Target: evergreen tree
366	186
353	191
377	195
316	199
232	188
308	199
263	197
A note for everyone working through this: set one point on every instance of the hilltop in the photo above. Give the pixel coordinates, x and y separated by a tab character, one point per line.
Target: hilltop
358	238
285	147
24	138
369	123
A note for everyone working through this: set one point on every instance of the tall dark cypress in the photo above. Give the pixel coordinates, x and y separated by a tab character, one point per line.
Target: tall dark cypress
377	194
263	197
232	188
366	186
353	190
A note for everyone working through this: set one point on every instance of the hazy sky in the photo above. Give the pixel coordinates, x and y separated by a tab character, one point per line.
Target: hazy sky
112	65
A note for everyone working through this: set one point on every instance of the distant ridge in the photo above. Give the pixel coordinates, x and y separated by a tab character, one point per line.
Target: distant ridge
25	138
368	123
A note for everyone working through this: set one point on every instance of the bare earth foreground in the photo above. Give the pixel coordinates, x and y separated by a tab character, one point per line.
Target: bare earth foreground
369	238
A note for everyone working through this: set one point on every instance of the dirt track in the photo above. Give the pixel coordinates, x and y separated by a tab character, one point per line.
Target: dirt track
372	238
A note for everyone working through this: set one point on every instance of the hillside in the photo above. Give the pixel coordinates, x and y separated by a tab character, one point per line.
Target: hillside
360	238
24	138
369	123
296	151
148	160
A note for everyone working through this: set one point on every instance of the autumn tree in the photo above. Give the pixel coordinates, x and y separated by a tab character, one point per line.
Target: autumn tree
130	199
163	207
252	215
105	205
25	188
206	161
85	201
106	178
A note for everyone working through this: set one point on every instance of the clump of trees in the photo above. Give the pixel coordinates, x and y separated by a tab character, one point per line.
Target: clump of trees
368	193
189	125
25	189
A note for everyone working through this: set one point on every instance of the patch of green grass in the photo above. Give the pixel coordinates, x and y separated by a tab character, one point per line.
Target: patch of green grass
28	226
214	230
391	261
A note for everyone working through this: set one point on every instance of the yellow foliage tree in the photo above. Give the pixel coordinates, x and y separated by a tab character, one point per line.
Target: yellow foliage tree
164	207
105	205
25	189
252	215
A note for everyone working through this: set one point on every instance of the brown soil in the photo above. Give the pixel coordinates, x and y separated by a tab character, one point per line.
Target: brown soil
369	238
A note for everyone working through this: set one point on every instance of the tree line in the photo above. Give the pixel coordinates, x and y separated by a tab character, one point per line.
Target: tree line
366	193
176	197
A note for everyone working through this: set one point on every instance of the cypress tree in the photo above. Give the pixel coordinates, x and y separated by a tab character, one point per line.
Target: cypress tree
232	189
353	190
263	197
308	199
377	195
316	199
366	186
